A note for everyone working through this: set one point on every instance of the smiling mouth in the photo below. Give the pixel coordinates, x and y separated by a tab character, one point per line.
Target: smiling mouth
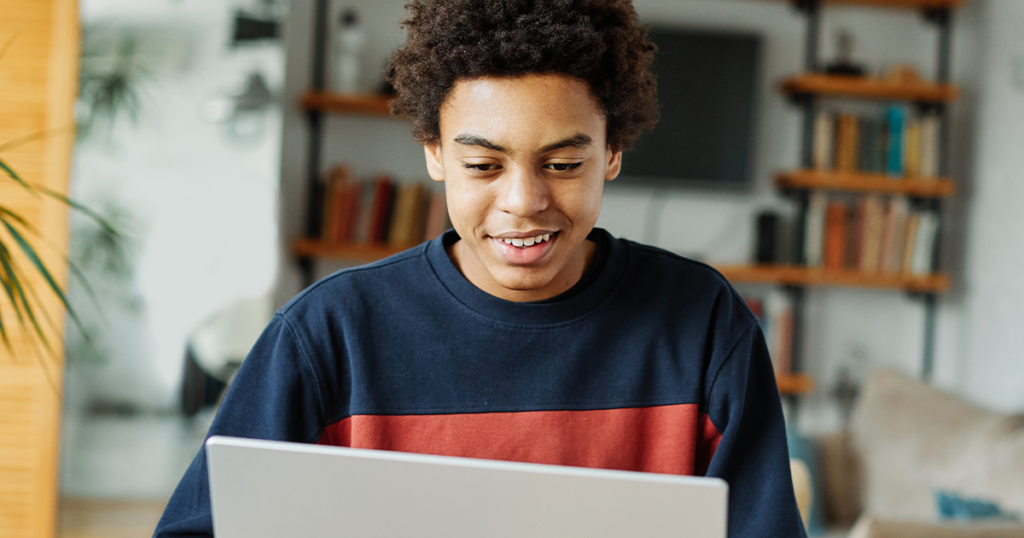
526	242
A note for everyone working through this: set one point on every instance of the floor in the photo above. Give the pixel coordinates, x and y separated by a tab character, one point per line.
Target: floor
117	471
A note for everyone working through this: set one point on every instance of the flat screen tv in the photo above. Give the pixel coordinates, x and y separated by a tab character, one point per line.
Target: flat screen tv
707	89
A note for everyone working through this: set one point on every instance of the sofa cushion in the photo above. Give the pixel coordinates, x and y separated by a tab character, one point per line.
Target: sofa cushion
915	440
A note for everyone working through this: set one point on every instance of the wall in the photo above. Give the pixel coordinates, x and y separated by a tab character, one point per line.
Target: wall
992	370
203	207
870	328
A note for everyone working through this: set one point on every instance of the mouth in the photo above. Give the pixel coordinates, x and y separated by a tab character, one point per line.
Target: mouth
527	242
523	250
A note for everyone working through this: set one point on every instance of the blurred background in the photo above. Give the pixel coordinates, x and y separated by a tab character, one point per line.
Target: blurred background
869	212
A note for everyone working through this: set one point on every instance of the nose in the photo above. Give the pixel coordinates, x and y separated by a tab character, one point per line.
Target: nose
523	193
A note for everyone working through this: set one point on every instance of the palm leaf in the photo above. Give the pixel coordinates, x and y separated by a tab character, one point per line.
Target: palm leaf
8	261
30	253
104	223
14	175
75	272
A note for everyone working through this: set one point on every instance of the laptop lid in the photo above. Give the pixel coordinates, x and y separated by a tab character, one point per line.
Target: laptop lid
264	489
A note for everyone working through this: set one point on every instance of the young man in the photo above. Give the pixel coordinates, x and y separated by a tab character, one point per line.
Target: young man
525	333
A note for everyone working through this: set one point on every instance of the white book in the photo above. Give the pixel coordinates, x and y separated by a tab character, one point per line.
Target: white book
814	235
892	236
924	245
930	146
824	132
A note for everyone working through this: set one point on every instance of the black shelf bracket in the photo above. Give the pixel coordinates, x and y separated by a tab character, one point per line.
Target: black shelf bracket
315	121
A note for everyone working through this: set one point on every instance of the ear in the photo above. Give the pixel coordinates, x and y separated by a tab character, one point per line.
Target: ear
435	166
614	165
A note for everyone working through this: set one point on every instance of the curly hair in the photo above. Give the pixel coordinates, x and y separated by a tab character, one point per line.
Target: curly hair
600	42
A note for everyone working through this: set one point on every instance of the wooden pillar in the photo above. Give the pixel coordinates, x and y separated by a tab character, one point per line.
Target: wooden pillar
38	87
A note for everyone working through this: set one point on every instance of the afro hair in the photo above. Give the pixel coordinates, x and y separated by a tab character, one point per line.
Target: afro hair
600	42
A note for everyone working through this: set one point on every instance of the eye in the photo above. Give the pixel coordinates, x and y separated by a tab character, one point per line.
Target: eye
563	167
481	167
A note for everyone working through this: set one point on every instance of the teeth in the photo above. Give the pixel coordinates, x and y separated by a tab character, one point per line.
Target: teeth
528	242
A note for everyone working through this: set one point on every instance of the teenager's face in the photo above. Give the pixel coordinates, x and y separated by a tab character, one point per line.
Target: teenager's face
524	161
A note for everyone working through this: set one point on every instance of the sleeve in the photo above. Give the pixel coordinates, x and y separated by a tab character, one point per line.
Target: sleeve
274	396
744	408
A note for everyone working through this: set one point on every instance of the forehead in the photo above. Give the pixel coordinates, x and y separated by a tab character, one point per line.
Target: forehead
531	110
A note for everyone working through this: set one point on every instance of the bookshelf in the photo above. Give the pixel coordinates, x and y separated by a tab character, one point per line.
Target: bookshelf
807	90
865	183
362	104
869	88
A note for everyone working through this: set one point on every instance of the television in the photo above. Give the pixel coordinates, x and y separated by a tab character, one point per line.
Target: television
707	92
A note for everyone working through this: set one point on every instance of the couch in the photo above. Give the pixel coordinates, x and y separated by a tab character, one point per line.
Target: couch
909	440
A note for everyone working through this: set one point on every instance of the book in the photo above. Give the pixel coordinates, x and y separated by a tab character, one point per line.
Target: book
924	244
893	220
778	312
930	146
912	153
847	143
814	236
824	132
895	119
336	204
872	245
380	210
835	235
872	145
407	217
909	242
437	220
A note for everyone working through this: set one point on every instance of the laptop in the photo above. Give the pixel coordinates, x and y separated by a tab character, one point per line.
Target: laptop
264	489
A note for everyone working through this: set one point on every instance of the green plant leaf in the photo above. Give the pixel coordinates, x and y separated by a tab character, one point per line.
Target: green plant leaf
14	175
28	139
30	252
29	312
83	209
75	272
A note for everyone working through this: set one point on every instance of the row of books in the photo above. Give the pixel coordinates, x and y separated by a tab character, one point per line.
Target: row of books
870	234
774	311
895	143
380	212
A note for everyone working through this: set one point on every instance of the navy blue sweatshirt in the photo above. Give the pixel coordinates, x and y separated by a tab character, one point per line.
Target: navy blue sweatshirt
651	363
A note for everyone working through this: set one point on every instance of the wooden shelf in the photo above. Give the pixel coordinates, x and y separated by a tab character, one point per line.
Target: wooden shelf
900	4
870	88
868	183
366	105
313	248
795	384
795	275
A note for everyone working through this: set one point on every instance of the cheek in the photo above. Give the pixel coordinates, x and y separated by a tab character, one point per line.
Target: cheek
583	205
466	206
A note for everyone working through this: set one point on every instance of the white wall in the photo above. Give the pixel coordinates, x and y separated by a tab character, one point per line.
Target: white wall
205	208
883	327
993	363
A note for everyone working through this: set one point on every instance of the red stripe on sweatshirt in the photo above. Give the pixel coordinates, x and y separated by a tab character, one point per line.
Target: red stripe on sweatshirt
674	439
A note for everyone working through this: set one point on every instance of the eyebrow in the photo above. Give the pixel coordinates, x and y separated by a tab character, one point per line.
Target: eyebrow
578	140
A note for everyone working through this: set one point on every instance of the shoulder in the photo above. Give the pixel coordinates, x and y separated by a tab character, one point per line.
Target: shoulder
343	287
688	282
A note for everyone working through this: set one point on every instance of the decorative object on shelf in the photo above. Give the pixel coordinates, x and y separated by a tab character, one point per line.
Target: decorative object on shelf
243	114
844	64
260	23
349	41
769	228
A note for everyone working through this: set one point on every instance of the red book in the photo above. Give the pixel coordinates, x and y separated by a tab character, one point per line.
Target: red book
835	235
380	210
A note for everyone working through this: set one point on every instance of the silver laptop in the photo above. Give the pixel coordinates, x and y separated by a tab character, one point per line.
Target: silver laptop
264	489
